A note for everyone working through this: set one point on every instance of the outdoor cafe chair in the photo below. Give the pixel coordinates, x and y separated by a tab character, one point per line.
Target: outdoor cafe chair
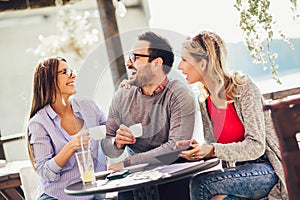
286	118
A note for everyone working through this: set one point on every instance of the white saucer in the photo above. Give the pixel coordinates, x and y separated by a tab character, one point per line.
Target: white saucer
135	168
102	174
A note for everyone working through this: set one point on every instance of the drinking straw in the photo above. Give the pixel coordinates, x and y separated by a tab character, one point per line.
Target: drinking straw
81	142
83	151
89	144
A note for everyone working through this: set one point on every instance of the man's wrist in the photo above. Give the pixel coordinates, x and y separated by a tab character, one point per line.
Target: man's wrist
114	142
127	162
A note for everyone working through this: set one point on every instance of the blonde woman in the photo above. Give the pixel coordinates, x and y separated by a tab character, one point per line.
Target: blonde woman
236	129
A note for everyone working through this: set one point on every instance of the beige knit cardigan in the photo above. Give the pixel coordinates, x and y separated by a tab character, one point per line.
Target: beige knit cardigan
260	136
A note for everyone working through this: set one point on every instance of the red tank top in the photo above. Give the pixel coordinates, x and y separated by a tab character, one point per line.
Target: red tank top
226	123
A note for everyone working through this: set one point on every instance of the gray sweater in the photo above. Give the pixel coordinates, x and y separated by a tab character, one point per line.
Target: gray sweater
167	117
260	136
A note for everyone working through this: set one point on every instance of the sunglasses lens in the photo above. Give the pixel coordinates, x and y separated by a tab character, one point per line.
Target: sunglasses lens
75	72
70	72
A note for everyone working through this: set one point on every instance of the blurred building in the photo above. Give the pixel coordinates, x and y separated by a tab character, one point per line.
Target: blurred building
20	31
25	29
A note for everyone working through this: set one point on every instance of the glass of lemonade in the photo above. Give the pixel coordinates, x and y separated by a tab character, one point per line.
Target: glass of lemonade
86	166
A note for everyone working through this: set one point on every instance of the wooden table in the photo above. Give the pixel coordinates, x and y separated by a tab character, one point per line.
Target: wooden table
10	180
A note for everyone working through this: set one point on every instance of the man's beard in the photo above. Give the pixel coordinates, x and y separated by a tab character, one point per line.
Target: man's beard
141	80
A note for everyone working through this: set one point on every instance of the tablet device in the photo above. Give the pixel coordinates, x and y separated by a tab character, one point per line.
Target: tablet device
136	168
170	157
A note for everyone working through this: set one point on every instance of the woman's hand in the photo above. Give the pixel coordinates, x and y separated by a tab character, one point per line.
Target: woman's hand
124	136
125	84
198	152
69	149
80	140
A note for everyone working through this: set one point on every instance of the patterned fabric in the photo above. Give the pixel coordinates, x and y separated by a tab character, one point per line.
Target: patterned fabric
260	136
159	88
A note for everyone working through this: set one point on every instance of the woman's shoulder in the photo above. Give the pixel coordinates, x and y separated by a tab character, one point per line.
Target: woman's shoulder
249	91
241	77
246	81
41	116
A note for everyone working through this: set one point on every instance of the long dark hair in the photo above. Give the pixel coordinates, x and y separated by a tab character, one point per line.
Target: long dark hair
44	89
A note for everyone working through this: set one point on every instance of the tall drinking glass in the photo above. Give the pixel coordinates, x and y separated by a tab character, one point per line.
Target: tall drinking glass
86	166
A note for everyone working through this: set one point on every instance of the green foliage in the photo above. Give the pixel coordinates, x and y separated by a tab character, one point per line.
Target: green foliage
257	25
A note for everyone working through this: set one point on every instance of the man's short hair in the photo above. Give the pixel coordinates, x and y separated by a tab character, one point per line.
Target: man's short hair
159	47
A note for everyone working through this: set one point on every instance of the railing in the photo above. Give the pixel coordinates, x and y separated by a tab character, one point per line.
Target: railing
281	94
9	138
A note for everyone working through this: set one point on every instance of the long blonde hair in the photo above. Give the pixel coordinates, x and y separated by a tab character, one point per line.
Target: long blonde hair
44	90
209	46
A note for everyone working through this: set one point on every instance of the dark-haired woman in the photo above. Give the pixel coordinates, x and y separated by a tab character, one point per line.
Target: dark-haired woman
56	129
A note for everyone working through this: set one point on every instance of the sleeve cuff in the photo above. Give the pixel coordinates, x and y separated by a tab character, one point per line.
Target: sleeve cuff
53	166
127	162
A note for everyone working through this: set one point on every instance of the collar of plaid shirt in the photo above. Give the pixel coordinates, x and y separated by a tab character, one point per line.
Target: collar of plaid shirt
158	89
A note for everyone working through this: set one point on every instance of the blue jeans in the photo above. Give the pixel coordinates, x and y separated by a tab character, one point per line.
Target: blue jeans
247	181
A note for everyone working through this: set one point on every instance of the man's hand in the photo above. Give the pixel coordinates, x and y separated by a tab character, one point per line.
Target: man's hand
124	136
182	144
116	166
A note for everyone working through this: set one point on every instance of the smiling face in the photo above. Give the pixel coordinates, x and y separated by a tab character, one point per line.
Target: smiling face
190	67
140	67
65	81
